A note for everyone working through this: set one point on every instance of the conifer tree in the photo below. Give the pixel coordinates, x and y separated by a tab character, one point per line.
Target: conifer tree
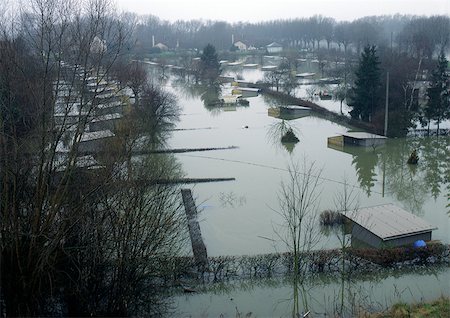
438	105
210	67
365	93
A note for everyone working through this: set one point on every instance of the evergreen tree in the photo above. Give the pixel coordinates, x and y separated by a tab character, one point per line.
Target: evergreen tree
365	93
210	67
438	105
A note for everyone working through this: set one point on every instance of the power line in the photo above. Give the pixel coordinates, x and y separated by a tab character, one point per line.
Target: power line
275	168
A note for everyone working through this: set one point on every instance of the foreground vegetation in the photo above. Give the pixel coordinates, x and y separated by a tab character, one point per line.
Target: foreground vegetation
85	228
90	231
438	308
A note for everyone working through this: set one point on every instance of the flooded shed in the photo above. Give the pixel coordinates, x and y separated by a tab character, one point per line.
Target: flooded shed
387	226
289	112
245	91
363	139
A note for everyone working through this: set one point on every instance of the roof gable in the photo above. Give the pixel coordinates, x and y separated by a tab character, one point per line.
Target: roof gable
389	221
274	44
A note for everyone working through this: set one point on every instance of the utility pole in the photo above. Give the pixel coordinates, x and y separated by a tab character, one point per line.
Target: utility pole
387	105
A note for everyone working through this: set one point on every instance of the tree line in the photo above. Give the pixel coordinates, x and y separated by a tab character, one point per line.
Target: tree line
415	35
366	96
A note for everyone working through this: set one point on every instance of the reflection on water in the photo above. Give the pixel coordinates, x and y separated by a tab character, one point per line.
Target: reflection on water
378	175
410	184
364	160
231	199
277	130
325	295
238	216
413	184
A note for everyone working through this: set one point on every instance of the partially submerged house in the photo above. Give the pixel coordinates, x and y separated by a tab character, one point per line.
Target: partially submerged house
245	91
363	139
274	47
386	226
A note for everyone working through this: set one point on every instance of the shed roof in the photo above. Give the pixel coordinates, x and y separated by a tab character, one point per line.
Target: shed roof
389	221
296	107
362	135
274	44
94	135
247	89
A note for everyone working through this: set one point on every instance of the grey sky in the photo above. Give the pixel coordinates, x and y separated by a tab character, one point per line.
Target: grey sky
260	10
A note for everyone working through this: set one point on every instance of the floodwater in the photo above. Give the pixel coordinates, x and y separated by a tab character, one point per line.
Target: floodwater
242	217
325	296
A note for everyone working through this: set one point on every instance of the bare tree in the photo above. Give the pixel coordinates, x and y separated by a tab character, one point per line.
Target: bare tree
345	201
57	48
298	199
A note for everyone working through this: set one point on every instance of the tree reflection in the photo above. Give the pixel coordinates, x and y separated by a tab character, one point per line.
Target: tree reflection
410	184
209	94
435	155
210	97
277	130
365	162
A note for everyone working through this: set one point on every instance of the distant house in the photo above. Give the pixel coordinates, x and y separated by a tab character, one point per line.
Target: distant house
387	226
274	47
98	46
240	45
162	46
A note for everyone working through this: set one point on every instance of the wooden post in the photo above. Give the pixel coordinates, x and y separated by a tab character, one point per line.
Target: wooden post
198	246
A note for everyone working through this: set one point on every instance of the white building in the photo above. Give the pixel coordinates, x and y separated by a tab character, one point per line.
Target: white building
162	46
274	47
98	46
240	45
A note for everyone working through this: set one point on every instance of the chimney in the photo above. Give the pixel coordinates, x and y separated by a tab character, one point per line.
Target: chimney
153	40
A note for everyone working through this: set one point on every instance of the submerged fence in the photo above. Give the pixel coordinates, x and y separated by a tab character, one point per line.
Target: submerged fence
348	260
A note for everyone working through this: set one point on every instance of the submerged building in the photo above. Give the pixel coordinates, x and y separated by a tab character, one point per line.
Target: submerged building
386	226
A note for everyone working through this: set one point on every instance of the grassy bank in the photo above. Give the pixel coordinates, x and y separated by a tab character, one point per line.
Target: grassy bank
438	308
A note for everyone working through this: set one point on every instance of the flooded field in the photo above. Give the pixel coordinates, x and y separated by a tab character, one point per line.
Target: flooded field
326	296
241	217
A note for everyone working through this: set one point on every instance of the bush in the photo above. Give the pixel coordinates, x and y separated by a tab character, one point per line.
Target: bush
331	218
289	136
390	256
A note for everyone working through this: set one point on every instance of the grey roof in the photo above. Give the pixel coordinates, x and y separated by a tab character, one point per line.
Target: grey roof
362	135
107	117
274	44
389	221
247	89
94	135
305	74
269	67
295	107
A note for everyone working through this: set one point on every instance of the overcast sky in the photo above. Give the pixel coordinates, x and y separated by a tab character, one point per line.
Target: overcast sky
262	10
